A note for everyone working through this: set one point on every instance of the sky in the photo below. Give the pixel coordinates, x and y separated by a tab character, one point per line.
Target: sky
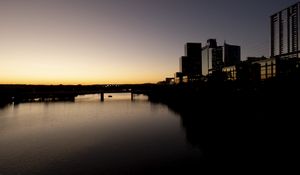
121	41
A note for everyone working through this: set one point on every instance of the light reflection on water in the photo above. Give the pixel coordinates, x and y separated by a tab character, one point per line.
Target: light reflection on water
89	136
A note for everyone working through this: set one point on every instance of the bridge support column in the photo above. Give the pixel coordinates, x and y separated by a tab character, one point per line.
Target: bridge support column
102	96
132	96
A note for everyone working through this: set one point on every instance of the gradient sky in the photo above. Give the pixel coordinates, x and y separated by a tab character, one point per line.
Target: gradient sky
121	41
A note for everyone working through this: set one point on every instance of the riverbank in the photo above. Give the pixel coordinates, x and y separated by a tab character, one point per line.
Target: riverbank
249	126
232	100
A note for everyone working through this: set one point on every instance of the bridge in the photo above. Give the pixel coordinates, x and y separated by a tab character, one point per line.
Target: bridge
25	93
131	91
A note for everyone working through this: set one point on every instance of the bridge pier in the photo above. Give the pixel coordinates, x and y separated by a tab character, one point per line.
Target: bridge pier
132	96
102	96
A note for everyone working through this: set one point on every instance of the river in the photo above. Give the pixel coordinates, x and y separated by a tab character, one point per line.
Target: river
117	136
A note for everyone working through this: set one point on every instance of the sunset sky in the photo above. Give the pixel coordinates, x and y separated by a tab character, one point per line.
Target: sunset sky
121	41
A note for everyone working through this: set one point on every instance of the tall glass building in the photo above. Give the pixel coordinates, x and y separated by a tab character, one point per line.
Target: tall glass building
215	57
285	32
211	57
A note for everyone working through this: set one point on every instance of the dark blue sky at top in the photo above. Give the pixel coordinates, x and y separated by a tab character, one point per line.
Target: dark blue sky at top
241	22
244	22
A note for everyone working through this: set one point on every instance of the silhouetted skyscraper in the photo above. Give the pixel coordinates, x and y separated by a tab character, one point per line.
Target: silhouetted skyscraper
285	32
193	49
190	64
231	54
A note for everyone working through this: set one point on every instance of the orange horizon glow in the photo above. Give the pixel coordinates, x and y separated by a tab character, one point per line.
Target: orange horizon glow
37	82
74	78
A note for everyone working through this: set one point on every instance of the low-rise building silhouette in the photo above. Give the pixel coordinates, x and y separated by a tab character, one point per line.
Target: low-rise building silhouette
262	68
245	70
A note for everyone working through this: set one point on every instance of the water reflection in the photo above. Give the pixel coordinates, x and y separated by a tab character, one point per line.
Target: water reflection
232	144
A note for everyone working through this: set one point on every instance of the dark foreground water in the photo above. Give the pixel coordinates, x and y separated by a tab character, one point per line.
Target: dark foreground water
118	136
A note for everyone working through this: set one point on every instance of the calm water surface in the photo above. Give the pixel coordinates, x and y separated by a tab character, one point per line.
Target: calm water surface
118	136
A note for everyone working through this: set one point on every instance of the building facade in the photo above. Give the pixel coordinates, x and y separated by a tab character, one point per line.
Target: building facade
285	32
211	57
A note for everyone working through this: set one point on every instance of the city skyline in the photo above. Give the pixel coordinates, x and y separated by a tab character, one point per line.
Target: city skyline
103	42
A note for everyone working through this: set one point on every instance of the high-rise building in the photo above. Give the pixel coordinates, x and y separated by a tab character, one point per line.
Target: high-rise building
190	64
205	60
211	57
193	49
285	32
215	57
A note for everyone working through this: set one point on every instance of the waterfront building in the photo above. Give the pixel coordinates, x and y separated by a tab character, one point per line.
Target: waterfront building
262	68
